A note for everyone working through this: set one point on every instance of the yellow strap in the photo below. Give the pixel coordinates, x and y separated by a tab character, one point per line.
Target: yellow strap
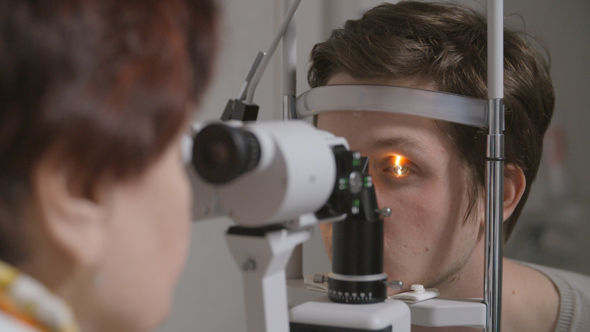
7	275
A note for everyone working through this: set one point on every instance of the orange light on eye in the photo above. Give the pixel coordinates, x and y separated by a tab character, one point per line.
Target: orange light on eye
399	168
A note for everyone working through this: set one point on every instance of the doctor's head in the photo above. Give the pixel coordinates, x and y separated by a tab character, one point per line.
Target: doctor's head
94	97
431	173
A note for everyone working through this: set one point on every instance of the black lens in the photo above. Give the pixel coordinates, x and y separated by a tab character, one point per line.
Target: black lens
357	247
222	153
357	260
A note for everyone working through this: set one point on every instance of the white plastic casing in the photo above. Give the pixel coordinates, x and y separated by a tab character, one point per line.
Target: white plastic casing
448	312
295	175
369	317
417	294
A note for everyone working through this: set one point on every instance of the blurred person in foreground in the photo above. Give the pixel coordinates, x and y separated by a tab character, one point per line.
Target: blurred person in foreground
431	173
94	200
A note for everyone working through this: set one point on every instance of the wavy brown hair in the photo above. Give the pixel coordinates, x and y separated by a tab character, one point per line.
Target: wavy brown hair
102	85
447	45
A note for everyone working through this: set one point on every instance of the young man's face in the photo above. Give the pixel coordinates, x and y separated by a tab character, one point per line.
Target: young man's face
417	173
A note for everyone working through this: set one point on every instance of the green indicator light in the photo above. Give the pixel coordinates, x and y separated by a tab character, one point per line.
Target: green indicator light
343	183
356	162
356	202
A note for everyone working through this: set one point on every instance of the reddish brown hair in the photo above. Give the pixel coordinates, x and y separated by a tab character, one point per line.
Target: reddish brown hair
102	85
447	45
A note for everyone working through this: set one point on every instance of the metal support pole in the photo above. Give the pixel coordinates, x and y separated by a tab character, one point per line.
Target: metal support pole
494	168
289	65
294	268
494	216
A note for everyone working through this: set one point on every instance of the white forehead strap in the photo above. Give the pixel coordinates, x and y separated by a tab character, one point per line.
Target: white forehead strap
384	98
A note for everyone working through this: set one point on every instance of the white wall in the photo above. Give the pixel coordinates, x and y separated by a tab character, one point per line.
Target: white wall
209	296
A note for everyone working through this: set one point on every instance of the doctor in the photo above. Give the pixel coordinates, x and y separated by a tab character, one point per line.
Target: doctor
94	200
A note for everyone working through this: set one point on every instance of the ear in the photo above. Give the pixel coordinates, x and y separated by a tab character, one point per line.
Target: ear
514	185
73	223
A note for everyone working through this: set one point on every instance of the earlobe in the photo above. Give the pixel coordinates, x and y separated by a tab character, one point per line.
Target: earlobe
73	223
514	186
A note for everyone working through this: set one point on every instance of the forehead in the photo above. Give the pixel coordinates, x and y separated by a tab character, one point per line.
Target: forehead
378	130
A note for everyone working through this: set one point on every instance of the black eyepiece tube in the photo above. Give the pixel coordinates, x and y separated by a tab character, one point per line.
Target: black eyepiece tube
357	247
222	153
357	262
357	242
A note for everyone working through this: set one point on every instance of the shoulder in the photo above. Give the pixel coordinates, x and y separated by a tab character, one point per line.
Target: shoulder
530	300
574	297
565	278
9	324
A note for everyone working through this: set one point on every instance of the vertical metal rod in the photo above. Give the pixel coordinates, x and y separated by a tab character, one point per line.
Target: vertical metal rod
494	216
495	49
494	168
289	65
289	53
289	104
294	268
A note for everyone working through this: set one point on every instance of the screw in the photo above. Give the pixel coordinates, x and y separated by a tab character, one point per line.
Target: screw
394	284
385	212
249	265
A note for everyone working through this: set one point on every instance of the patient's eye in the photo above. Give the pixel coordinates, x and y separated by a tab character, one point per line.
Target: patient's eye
399	166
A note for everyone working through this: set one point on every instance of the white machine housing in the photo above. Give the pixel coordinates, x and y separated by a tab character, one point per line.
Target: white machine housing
295	176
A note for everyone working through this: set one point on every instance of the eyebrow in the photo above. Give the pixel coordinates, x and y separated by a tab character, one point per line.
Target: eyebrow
402	141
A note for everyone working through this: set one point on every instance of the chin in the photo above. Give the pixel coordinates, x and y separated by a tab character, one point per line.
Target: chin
150	320
165	315
160	317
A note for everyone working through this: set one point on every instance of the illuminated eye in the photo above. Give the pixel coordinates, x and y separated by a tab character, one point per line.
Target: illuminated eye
399	167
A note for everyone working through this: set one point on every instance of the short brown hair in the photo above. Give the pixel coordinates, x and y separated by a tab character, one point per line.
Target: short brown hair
104	85
447	45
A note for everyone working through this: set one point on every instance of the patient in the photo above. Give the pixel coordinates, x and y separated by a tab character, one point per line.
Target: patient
94	200
431	173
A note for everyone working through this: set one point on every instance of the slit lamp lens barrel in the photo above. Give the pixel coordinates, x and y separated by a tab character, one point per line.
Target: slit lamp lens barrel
357	247
357	262
357	242
222	153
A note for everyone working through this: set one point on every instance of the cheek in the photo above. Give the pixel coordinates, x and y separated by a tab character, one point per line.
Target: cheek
168	213
171	236
424	219
177	223
413	213
148	244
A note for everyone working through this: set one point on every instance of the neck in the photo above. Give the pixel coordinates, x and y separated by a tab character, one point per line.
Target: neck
468	281
58	272
530	301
